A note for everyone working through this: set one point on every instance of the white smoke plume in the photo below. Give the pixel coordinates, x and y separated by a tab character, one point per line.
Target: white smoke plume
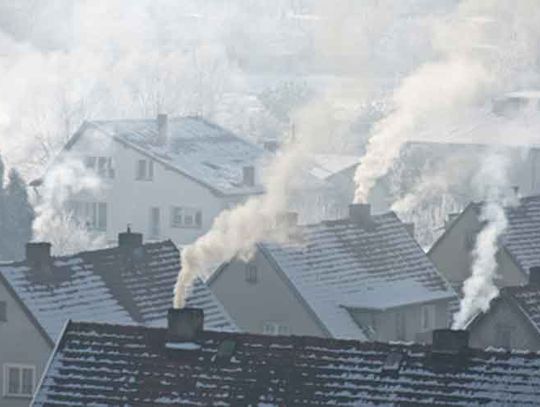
479	289
422	97
54	222
236	231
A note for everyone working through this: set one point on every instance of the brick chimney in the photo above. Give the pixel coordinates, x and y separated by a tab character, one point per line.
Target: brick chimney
38	254
163	129
534	276
248	176
361	215
450	341
184	324
130	240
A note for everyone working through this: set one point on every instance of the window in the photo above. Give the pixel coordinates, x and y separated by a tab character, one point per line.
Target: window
3	311
427	317
503	335
19	380
251	273
275	328
103	166
145	170
92	214
186	217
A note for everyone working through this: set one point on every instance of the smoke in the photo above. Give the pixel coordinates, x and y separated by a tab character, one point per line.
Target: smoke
482	49
54	223
434	88
479	289
235	232
323	125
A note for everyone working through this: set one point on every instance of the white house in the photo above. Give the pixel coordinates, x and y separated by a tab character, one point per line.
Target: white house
167	177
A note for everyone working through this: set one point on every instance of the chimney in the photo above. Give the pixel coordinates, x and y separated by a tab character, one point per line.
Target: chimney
184	324
163	128
361	215
38	254
534	276
450	341
130	240
248	176
410	228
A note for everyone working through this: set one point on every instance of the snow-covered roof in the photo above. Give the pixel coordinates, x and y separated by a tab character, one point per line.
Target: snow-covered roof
117	285
522	236
106	365
195	147
338	265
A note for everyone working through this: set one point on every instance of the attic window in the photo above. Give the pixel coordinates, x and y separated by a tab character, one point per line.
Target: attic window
392	362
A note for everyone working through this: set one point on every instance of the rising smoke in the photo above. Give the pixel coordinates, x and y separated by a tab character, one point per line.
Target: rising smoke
479	289
235	232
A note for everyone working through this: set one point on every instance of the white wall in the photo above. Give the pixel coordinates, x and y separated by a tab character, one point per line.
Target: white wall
129	200
20	343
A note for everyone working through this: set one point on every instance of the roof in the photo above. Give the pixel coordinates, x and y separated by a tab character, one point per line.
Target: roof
522	236
203	151
339	265
527	300
111	365
109	285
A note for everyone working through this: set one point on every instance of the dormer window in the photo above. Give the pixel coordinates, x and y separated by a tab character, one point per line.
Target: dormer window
102	166
144	170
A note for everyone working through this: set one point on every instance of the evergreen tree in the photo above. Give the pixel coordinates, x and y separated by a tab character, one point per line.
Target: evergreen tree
18	216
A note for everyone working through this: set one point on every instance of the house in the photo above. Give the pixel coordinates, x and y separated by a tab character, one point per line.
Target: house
362	277
112	364
519	246
182	172
129	284
513	319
